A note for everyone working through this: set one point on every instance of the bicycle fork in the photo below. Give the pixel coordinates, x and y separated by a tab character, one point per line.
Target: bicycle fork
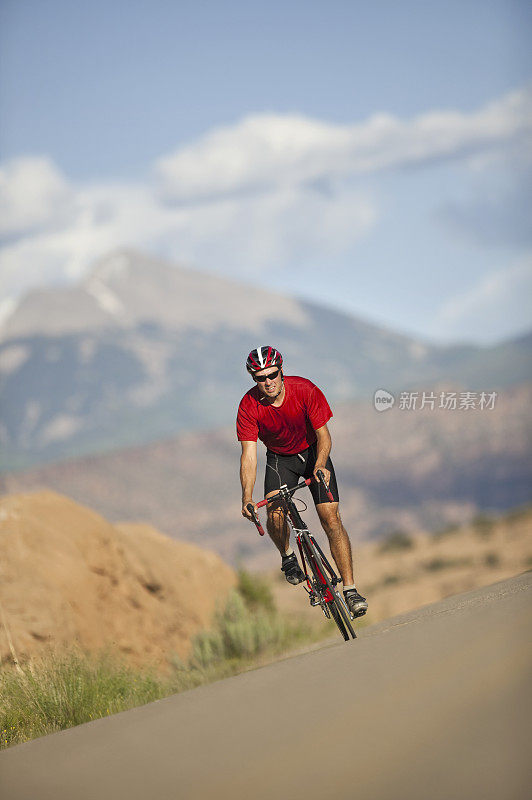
306	557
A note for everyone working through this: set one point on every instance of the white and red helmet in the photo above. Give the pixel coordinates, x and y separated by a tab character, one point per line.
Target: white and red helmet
262	358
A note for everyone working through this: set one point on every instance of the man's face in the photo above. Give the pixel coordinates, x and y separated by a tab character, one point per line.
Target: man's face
273	383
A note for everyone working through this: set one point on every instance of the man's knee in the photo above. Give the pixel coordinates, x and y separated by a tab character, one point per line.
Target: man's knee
329	514
276	517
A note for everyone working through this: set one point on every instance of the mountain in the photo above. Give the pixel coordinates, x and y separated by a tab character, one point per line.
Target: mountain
142	349
127	289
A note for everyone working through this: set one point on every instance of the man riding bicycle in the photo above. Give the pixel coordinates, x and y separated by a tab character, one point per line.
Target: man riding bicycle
289	415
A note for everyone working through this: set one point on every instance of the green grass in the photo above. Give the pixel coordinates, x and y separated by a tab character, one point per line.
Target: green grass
65	689
62	690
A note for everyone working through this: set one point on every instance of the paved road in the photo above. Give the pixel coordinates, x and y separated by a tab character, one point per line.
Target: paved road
433	704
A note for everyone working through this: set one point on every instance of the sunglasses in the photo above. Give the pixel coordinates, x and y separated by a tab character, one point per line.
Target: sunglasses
263	378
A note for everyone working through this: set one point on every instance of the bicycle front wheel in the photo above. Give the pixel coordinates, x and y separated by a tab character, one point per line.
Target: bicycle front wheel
336	607
337	617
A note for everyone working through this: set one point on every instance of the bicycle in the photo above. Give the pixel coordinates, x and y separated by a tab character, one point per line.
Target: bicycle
320	577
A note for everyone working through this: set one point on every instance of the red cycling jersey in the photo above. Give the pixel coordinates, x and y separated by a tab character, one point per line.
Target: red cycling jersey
288	428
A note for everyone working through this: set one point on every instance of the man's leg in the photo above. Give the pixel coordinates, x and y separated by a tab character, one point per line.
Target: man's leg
279	531
341	552
277	527
339	543
279	471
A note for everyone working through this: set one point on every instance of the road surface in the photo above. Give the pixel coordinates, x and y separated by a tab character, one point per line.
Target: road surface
432	704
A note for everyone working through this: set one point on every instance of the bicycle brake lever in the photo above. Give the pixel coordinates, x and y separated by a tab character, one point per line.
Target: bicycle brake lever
321	477
250	507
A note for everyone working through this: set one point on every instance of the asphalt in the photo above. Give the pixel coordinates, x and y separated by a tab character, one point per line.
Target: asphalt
433	704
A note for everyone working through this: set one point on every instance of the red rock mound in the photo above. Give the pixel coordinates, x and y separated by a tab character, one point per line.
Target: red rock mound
69	576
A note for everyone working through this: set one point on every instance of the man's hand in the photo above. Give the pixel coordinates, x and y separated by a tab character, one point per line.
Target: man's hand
326	474
245	512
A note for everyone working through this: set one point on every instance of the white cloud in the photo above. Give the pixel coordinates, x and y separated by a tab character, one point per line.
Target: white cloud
271	190
502	298
106	217
268	150
33	195
274	230
240	236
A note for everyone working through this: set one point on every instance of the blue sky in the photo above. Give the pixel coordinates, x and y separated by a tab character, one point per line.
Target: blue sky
394	140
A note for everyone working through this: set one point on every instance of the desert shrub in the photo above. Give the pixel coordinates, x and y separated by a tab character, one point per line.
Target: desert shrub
255	591
492	560
518	513
483	524
448	530
439	563
241	633
398	540
390	580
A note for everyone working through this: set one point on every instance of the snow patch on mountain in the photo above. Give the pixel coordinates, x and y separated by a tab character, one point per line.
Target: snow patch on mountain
113	267
8	306
106	299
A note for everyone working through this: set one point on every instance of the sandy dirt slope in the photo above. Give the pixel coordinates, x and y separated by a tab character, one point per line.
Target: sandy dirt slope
430	705
432	567
67	575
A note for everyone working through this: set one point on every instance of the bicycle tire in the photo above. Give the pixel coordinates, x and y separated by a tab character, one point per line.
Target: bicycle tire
335	614
336	603
317	580
332	606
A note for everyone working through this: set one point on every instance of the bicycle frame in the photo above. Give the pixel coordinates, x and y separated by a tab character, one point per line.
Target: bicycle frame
307	557
320	586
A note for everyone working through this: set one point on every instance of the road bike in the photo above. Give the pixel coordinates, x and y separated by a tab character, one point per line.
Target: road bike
321	578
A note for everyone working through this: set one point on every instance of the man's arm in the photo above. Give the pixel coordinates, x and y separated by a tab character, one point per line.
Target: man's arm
248	474
323	449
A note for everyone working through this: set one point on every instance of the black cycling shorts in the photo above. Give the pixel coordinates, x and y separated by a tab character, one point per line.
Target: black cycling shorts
289	470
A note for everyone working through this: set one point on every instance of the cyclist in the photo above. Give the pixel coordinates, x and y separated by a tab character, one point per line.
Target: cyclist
289	415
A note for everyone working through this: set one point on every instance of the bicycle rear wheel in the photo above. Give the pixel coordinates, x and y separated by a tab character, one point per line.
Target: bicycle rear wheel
337	609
